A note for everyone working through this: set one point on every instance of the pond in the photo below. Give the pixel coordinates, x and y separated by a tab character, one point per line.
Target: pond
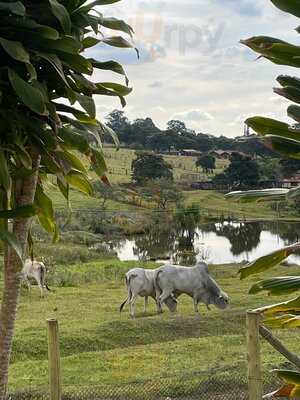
216	243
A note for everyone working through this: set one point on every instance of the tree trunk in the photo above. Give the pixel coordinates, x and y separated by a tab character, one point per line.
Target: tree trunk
23	192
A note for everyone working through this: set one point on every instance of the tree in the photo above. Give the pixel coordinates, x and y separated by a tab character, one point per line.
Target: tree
148	166
242	172
269	169
159	142
177	126
289	167
42	46
162	191
120	124
284	139
207	162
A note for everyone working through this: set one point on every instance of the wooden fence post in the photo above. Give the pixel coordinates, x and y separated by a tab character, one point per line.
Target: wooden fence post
254	360
54	360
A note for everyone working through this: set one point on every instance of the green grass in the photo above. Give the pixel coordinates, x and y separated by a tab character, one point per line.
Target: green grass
213	203
98	345
184	169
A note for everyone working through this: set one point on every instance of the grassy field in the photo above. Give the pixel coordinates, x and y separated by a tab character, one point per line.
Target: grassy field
211	204
98	345
184	168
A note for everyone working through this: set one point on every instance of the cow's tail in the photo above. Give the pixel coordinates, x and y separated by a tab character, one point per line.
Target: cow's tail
43	280
156	284
128	298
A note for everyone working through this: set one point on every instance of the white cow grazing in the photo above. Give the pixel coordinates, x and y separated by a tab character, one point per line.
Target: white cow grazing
140	282
172	281
36	270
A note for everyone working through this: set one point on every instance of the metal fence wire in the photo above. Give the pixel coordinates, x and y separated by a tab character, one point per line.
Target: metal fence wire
201	386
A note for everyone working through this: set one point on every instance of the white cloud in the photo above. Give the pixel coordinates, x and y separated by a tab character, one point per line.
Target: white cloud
193	116
192	47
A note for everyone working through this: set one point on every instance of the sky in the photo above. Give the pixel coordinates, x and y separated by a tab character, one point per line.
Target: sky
192	66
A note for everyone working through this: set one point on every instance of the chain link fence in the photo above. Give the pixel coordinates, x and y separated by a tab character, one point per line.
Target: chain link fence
230	384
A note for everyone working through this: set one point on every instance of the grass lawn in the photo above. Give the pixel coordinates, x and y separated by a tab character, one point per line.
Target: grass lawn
98	345
211	203
184	168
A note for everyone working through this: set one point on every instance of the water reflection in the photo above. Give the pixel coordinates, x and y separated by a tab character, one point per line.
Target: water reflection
216	243
243	237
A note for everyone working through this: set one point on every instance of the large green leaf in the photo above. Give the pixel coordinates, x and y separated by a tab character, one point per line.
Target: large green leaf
5	180
269	261
74	140
56	63
20	212
87	103
60	12
286	80
120	90
277	286
29	95
293	111
65	44
289	6
290	389
33	29
15	49
77	63
80	182
91	5
278	322
117	24
98	161
72	159
45	210
289	92
119	41
63	187
286	147
107	130
292	306
16	7
111	66
275	50
10	239
288	376
268	126
250	196
294	193
80	115
90	41
293	322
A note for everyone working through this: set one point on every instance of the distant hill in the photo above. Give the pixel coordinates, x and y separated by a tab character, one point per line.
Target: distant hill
142	133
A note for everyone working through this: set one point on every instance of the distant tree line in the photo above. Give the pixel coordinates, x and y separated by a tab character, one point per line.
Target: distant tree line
142	133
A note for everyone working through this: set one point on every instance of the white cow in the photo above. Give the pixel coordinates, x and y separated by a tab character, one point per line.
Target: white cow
172	281
140	282
36	270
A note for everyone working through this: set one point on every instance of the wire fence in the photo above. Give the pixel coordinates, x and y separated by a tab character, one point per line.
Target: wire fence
230	384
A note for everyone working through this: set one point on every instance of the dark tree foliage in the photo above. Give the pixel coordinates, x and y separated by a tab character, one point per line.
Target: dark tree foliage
147	166
143	133
289	167
242	172
177	126
117	121
243	237
207	162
